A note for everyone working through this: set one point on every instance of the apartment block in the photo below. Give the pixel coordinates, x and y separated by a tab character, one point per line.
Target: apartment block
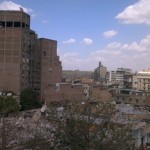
120	73
141	81
111	77
26	61
131	96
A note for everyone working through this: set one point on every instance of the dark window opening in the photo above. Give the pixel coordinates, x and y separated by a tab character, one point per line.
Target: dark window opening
27	26
30	46
17	24
44	53
130	99
9	24
2	24
23	25
137	101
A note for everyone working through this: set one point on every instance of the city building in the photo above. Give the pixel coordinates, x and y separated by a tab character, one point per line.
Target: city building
51	70
25	60
100	73
141	81
120	73
131	96
138	81
112	78
73	92
127	81
14	49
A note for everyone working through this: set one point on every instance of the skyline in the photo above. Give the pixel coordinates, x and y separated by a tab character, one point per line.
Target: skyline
117	33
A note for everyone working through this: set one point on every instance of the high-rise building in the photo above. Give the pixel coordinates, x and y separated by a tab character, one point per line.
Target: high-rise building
51	70
100	73
25	60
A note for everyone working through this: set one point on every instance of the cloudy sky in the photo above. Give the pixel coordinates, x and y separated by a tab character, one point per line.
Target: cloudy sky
115	32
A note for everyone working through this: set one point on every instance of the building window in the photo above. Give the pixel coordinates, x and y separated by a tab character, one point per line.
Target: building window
2	24
137	100
27	26
17	24
44	53
9	24
130	99
23	25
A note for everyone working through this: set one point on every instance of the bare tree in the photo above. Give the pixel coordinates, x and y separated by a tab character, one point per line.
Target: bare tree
91	126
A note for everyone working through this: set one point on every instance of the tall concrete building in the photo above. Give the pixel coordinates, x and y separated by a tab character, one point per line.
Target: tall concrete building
51	70
100	73
120	73
111	77
25	60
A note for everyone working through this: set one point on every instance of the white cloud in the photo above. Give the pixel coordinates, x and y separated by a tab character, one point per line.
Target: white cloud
109	34
69	55
45	21
141	46
70	41
134	55
71	61
9	5
87	41
138	13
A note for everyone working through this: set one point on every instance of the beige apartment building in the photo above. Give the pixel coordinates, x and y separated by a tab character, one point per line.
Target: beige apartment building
25	60
100	73
141	81
131	96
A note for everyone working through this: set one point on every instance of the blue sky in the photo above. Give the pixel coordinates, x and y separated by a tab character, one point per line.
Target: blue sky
115	32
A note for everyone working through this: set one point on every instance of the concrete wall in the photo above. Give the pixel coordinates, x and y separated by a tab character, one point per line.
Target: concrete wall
64	92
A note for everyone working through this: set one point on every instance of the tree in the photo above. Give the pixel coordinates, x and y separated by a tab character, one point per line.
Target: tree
7	105
29	100
92	126
36	143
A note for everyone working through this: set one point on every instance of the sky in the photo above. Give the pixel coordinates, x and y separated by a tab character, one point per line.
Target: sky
115	32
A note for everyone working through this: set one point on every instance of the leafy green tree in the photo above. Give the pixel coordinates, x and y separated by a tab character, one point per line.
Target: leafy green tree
29	100
8	105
